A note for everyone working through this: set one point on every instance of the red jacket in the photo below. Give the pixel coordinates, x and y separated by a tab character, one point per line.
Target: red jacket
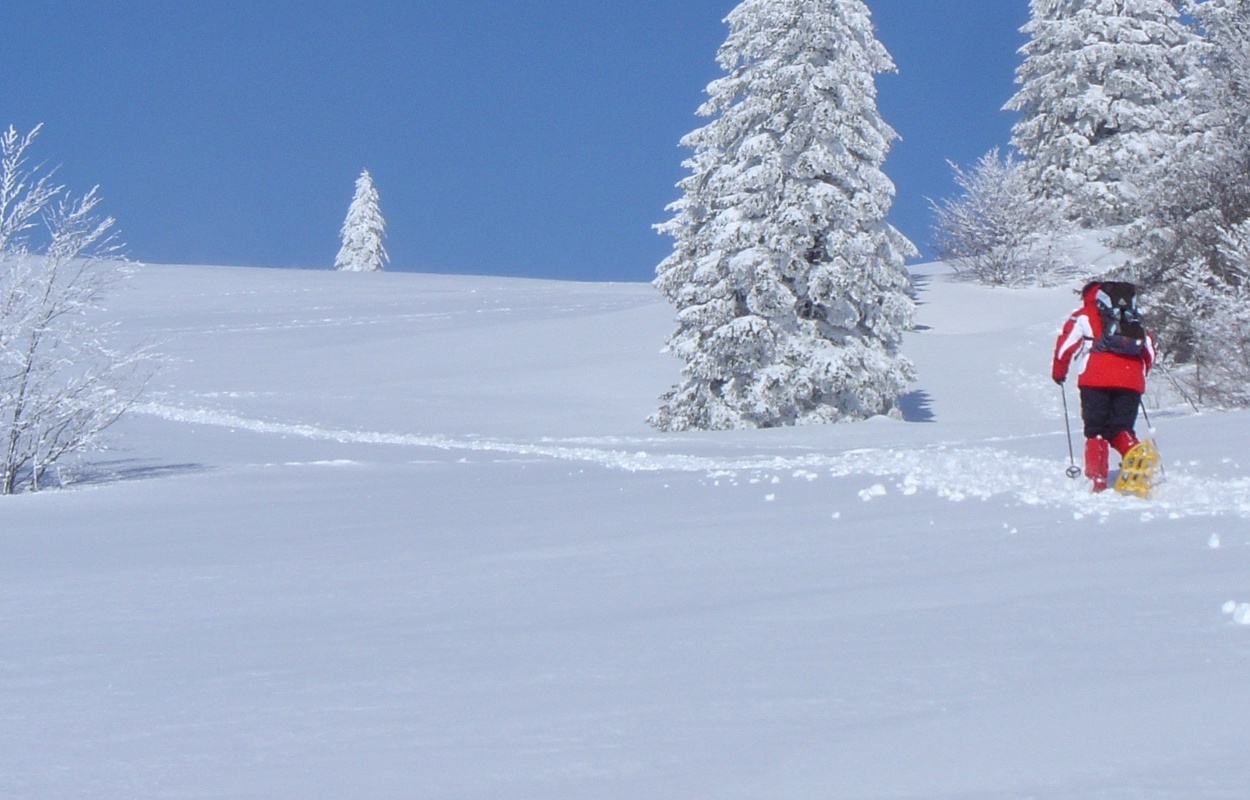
1098	369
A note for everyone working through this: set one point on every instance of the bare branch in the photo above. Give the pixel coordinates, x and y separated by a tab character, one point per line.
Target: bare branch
61	386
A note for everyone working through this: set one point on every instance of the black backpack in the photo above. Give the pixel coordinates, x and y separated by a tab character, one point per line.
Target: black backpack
1122	329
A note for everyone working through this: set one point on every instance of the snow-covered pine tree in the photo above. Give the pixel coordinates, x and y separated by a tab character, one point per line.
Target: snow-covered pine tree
790	288
1192	244
362	232
1096	86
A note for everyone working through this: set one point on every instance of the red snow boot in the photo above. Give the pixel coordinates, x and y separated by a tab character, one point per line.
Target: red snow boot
1123	442
1097	455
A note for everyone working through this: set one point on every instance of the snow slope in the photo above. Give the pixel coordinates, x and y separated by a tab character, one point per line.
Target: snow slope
407	536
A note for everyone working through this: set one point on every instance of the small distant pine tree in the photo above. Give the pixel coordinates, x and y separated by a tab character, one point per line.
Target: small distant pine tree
1096	91
790	287
362	232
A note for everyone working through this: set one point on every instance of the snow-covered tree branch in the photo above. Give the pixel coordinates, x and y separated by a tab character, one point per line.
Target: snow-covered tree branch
1095	100
1191	241
61	384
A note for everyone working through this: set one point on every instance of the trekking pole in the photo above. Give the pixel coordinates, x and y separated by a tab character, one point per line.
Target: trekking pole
1163	473
1073	471
1149	425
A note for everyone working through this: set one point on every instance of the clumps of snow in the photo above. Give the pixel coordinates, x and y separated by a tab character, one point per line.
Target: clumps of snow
1214	541
872	493
1240	612
1101	515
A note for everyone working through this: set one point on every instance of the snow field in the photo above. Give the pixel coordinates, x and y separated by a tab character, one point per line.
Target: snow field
395	535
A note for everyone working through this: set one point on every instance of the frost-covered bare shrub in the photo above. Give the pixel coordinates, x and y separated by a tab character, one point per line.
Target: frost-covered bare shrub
995	231
1217	370
1222	376
61	385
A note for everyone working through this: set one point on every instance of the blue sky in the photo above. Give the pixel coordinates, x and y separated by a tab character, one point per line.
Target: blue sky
536	138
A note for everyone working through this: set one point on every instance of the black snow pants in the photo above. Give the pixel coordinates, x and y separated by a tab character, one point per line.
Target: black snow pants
1106	412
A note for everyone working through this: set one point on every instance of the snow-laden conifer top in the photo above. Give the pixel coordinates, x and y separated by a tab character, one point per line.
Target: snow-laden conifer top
363	231
1096	87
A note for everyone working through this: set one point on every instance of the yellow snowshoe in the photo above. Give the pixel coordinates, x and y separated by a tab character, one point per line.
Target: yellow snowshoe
1137	469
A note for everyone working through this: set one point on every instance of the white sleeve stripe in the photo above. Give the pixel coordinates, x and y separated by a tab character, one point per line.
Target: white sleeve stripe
1075	337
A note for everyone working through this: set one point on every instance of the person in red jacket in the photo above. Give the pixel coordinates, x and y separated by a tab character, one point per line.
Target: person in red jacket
1105	343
